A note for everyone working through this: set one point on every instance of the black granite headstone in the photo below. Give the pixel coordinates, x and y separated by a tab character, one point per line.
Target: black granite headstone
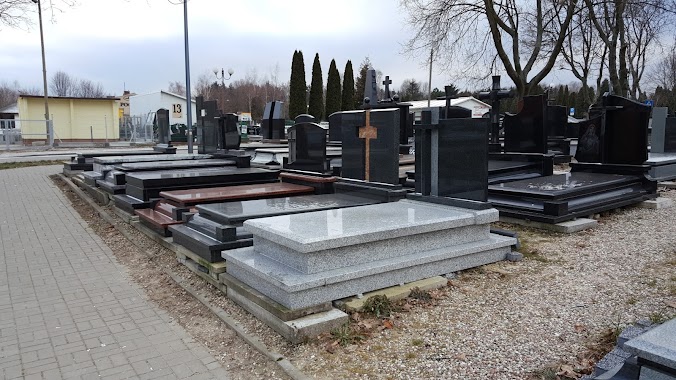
455	112
626	131
163	131
371	87
670	135
525	131
207	131
371	145
273	127
307	148
335	126
304	118
228	132
452	158
557	121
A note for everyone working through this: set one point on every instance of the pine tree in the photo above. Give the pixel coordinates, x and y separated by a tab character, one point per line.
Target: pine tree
347	102
361	82
316	104
333	96
297	86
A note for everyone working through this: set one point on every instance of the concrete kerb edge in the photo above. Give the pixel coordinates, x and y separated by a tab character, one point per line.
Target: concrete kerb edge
251	340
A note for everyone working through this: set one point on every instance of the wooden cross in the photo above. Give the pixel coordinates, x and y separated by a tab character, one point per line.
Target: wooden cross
368	132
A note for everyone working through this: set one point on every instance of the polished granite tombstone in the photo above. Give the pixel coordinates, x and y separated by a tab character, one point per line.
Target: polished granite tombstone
557	121
302	260
228	132
163	132
207	125
335	127
147	185
562	197
617	133
273	126
371	145
525	131
670	135
85	161
190	197
658	129
452	158
304	118
307	148
217	226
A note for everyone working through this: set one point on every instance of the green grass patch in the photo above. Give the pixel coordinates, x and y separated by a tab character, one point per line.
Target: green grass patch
28	164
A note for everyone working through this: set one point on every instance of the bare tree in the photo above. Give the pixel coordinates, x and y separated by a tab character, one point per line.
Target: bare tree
204	85
62	84
9	92
88	89
455	30
176	87
19	13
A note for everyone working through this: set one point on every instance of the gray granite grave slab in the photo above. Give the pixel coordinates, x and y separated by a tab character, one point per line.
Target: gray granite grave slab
304	259
295	290
657	345
329	229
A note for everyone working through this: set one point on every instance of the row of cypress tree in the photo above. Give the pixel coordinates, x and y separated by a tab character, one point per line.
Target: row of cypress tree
337	97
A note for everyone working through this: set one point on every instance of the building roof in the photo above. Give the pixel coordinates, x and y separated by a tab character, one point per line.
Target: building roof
418	104
163	92
108	98
12	108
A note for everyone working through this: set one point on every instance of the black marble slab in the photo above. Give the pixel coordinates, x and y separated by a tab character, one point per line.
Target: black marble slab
381	139
273	126
559	198
670	135
195	177
557	121
206	246
625	131
172	165
235	213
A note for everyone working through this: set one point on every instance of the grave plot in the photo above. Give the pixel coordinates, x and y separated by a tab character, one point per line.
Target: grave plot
85	161
612	150
216	227
144	186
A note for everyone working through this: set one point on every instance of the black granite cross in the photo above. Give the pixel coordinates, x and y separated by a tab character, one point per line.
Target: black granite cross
495	95
387	82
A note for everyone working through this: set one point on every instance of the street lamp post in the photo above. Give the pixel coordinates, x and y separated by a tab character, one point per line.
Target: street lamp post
223	78
188	96
44	73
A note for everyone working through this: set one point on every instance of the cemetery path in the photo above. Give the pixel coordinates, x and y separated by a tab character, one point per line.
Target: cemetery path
68	309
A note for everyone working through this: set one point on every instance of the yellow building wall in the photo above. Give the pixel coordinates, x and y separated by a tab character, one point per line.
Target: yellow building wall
74	119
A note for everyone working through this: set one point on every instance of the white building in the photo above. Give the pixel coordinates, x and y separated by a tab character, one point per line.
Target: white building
140	105
473	104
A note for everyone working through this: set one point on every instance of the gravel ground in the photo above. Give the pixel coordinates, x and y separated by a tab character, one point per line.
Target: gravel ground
502	321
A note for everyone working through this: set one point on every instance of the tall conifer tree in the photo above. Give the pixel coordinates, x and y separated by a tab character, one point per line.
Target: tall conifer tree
316	104
333	97
297	86
348	88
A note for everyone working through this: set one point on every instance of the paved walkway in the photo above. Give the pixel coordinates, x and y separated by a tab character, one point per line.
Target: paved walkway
67	308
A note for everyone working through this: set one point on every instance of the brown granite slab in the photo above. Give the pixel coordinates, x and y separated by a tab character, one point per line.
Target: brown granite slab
234	193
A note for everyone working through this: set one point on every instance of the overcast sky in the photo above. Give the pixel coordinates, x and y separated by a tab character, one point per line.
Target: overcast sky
138	44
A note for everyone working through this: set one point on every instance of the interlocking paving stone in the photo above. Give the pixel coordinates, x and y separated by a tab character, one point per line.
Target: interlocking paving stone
68	309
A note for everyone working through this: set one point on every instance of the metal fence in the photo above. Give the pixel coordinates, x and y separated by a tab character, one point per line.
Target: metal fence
138	128
13	133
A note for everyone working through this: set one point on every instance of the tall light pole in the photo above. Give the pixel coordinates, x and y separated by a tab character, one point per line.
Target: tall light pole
44	72
188	97
223	79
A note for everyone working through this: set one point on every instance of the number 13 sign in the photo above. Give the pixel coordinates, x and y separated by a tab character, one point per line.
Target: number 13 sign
177	111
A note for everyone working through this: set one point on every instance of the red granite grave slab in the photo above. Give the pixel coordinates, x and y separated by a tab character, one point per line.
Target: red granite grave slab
307	178
185	198
159	218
